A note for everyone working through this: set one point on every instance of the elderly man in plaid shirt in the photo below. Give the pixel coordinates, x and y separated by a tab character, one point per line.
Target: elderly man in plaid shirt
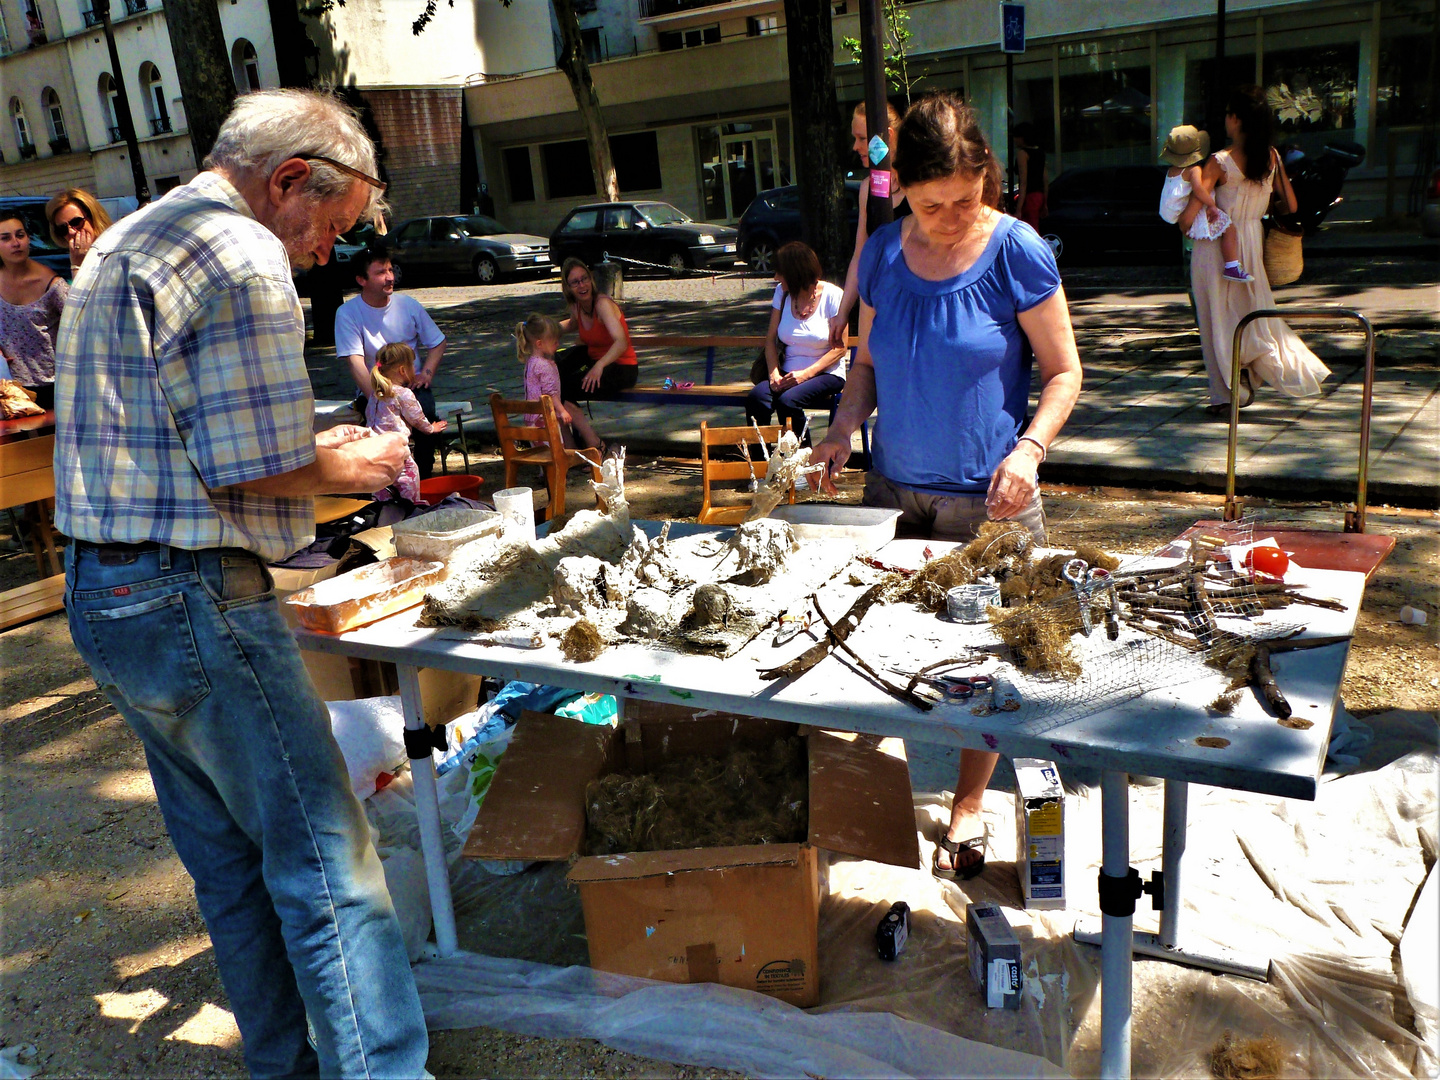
184	461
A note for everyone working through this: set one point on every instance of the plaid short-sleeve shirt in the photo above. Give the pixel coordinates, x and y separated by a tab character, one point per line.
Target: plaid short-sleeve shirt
180	371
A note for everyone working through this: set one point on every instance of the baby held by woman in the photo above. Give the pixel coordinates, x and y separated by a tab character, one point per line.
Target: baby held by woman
1186	150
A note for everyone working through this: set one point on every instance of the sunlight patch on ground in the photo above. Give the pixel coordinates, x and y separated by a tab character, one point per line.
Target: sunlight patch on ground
138	1007
210	1026
169	954
59	695
125	786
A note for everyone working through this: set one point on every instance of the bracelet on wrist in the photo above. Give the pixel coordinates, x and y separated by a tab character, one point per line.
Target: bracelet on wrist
1036	442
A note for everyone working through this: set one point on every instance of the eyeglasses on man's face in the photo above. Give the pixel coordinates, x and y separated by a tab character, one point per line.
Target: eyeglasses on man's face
378	185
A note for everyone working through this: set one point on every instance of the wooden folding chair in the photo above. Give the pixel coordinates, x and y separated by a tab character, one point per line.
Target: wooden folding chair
548	449
28	479
711	470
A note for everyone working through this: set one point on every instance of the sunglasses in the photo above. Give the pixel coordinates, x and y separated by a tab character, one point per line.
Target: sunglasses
75	224
379	185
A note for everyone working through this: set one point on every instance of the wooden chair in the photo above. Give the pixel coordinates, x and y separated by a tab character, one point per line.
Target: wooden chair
548	449
711	470
27	478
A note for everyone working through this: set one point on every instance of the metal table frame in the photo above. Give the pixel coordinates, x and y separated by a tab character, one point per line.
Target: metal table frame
1311	679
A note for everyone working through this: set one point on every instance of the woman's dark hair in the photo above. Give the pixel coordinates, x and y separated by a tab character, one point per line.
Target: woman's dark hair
570	264
940	137
798	267
1247	104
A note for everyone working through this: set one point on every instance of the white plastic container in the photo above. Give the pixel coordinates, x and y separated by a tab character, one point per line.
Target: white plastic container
517	507
437	535
871	527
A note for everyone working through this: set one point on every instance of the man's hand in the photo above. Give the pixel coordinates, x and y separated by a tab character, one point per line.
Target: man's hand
341	434
423	378
839	325
832	453
378	459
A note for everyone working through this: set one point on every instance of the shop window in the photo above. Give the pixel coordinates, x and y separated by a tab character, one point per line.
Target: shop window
567	169
1104	103
637	161
518	178
712	182
1403	82
1313	89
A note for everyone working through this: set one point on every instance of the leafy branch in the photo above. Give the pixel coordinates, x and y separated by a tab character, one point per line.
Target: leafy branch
898	37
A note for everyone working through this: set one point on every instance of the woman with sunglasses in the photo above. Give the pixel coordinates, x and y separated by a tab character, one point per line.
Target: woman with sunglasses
76	219
31	299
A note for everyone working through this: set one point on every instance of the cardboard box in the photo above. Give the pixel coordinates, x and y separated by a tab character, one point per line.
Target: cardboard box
996	962
1039	833
742	916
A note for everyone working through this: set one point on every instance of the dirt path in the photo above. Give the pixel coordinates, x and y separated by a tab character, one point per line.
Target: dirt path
107	968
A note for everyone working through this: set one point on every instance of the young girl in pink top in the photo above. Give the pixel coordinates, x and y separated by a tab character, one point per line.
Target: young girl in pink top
536	341
393	407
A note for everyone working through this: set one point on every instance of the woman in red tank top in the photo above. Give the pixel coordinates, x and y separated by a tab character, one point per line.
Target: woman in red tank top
604	361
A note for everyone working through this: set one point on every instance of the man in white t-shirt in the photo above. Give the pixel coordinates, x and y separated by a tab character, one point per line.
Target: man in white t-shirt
377	317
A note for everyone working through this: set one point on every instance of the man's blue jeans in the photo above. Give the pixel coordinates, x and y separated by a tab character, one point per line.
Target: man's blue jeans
192	649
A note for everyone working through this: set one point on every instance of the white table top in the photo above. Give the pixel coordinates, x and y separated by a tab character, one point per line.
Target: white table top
443	409
1152	734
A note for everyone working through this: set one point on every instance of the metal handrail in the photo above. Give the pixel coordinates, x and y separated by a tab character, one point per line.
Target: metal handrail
1354	519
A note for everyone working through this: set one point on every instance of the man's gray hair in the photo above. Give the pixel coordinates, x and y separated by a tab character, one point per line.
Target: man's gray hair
267	127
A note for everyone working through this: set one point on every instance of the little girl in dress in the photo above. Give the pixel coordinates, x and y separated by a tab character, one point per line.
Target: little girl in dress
392	408
536	341
1186	150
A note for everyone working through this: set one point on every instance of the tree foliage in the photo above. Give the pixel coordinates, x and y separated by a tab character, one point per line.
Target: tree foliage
897	60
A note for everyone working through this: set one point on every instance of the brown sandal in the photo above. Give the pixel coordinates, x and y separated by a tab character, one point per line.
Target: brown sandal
956	872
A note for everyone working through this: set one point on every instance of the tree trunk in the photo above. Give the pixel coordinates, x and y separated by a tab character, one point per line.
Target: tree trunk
291	43
202	62
572	62
816	116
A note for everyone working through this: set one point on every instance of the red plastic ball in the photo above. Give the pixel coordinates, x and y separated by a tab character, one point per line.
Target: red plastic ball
1269	560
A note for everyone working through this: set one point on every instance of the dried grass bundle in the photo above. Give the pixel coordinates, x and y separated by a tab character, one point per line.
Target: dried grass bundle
1247	1059
1039	637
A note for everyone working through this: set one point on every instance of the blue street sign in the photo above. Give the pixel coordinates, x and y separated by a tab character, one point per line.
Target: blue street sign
1012	28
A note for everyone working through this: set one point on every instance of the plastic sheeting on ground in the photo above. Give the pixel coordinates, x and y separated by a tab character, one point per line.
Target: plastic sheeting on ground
700	1024
1324	889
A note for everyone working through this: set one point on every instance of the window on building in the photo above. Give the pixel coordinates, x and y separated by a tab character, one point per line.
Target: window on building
637	161
109	106
4	34
34	23
54	115
1313	89
689	39
245	65
152	89
593	42
1105	102
22	128
840	7
518	178
1402	84
760	25
166	183
567	169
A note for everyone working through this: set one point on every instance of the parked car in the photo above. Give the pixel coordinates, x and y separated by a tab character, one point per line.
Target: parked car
773	219
475	245
650	232
31	210
1100	213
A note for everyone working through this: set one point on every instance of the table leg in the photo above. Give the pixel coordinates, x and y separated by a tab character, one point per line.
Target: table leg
1177	799
427	810
1115	962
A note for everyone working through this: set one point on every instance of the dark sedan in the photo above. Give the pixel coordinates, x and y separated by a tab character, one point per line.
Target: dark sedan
645	232
773	219
1099	214
474	245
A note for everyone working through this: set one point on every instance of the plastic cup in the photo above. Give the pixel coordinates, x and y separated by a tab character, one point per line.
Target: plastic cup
517	507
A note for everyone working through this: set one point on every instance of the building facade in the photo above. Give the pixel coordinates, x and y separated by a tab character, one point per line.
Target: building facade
700	105
57	74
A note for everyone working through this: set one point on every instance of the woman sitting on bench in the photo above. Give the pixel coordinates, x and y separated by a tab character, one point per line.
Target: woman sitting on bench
805	372
604	361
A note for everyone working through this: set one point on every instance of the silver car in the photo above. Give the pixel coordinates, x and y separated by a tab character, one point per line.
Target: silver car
477	246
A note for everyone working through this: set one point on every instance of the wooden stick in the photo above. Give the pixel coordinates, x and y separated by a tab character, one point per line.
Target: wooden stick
880	680
813	655
1263	679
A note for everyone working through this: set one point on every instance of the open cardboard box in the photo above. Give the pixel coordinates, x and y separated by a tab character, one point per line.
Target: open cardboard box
742	916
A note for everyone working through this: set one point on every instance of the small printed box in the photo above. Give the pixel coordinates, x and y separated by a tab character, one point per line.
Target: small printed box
995	960
1039	833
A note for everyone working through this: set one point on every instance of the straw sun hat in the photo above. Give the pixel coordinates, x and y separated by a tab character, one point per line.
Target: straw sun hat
1186	146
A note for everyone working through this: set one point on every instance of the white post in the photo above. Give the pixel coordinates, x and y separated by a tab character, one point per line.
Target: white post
1177	797
1115	942
427	810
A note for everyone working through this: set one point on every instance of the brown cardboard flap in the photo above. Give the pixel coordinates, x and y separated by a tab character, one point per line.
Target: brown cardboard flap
643	864
860	801
535	808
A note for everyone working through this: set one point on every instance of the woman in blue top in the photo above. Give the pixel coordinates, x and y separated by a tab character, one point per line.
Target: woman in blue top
955	299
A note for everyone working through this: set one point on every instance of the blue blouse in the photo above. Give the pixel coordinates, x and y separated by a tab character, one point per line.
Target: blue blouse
952	366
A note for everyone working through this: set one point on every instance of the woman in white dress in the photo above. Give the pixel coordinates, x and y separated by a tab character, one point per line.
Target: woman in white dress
1243	175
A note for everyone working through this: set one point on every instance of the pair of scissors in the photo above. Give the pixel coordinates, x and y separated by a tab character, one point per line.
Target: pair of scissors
960	687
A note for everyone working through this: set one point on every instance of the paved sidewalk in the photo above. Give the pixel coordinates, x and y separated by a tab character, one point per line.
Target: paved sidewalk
1140	420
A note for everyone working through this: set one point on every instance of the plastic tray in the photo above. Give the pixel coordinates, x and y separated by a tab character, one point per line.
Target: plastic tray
362	596
438	534
872	527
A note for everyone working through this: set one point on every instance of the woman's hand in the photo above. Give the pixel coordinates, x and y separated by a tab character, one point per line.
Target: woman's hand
832	453
591	382
80	244
1014	483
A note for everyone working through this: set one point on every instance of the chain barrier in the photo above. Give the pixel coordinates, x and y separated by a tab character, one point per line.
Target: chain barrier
687	271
